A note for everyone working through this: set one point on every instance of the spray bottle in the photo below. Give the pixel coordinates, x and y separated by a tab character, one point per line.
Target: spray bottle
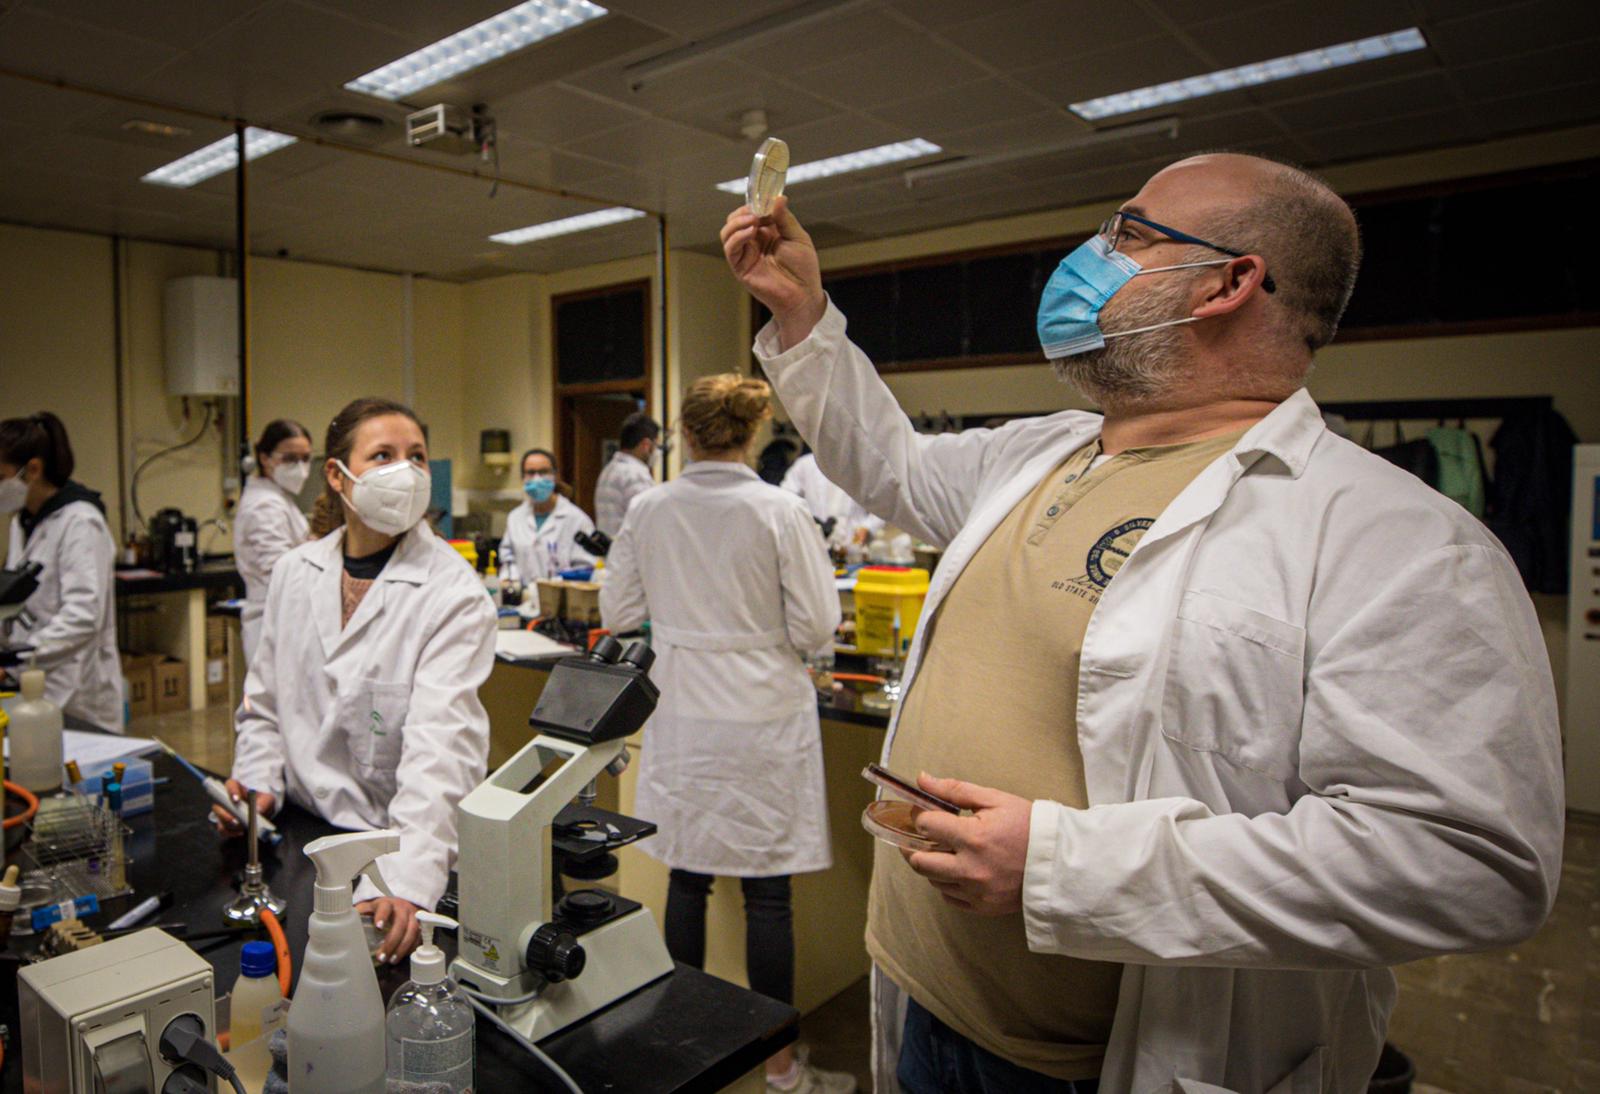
336	1024
431	1021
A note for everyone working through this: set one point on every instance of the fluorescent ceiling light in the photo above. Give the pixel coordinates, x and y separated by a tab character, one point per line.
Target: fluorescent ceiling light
1262	72
850	161
217	157
582	223
495	37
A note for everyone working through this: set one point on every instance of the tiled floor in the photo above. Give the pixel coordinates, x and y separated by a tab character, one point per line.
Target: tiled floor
1519	1021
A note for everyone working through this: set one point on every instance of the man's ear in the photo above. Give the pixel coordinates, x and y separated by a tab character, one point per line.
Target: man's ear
1241	279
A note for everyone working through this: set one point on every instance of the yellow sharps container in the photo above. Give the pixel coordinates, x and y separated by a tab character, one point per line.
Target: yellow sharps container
888	602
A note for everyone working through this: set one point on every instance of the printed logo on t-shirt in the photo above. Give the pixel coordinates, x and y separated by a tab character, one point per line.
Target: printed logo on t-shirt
1105	559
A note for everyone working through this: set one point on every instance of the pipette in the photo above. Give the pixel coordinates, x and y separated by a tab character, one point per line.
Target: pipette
218	792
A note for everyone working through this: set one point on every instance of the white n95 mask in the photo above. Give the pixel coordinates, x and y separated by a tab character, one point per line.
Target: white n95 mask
13	494
292	476
390	498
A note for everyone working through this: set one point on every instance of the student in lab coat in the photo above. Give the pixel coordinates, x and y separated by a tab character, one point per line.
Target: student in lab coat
541	533
70	620
269	523
732	574
851	523
630	471
362	701
1243	714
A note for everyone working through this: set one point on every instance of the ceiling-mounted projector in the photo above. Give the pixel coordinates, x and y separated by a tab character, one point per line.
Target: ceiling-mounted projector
446	128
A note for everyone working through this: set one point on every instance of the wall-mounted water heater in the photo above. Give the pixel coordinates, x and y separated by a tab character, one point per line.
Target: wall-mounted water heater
201	323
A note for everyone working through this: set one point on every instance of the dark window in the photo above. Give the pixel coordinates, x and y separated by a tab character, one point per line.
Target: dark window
601	337
1513	251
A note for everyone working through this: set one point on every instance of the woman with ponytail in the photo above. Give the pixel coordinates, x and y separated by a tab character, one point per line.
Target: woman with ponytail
361	703
70	621
734	577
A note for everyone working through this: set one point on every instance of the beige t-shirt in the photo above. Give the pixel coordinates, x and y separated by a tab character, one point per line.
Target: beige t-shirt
994	703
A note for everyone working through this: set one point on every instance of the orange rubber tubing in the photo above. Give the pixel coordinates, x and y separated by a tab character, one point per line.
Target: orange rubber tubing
27	814
858	678
285	960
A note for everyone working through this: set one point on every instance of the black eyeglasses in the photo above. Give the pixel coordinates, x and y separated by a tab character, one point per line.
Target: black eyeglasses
1111	232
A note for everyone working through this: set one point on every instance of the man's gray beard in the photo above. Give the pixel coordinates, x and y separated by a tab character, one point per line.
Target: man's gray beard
1136	368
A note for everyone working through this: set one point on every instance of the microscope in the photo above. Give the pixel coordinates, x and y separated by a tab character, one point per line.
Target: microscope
548	963
16	586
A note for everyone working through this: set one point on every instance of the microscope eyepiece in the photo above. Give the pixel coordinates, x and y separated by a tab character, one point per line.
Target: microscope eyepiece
640	656
608	649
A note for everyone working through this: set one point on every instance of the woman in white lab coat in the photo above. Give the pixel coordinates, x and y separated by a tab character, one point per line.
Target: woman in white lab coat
735	580
70	620
362	701
269	523
541	533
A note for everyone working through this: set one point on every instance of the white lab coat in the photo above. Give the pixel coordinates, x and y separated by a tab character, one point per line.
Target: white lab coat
620	481
378	725
71	618
529	552
1317	722
268	525
827	501
733	577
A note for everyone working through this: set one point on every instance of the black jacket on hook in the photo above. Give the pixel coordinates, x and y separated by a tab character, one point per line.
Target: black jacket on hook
1530	499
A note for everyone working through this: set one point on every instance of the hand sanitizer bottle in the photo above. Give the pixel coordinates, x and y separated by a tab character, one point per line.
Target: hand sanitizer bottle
430	1021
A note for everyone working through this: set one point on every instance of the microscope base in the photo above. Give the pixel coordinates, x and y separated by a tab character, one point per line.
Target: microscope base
623	956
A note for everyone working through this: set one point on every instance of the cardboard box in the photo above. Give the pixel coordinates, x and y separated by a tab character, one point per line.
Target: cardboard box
216	637
552	599
139	671
171	685
583	603
217	690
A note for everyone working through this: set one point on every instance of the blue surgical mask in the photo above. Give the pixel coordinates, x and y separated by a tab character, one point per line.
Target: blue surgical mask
1069	308
539	488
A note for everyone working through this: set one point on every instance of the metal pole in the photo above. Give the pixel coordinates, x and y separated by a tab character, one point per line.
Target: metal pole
241	214
661	324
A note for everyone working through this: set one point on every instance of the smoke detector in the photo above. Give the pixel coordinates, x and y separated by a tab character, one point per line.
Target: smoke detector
753	124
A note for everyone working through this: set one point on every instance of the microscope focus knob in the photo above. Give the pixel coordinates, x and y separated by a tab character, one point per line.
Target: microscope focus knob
555	953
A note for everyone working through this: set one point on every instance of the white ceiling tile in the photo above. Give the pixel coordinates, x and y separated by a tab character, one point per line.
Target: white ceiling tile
45	44
913	64
421	22
1262	34
180	24
1574	63
833	39
939	14
554	113
951	110
1393	133
1046	32
646	141
695	19
1411	94
787	107
1509	31
1567	104
1092	73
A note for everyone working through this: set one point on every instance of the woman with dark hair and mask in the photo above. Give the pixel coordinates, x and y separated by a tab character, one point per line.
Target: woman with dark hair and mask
71	619
269	523
362	701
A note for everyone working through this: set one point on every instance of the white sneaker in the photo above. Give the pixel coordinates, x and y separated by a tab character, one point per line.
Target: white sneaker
813	1080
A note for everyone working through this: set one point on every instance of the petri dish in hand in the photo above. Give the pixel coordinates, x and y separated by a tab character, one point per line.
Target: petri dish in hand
768	170
893	822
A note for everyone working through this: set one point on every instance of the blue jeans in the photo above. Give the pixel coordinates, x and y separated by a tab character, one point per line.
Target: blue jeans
935	1059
